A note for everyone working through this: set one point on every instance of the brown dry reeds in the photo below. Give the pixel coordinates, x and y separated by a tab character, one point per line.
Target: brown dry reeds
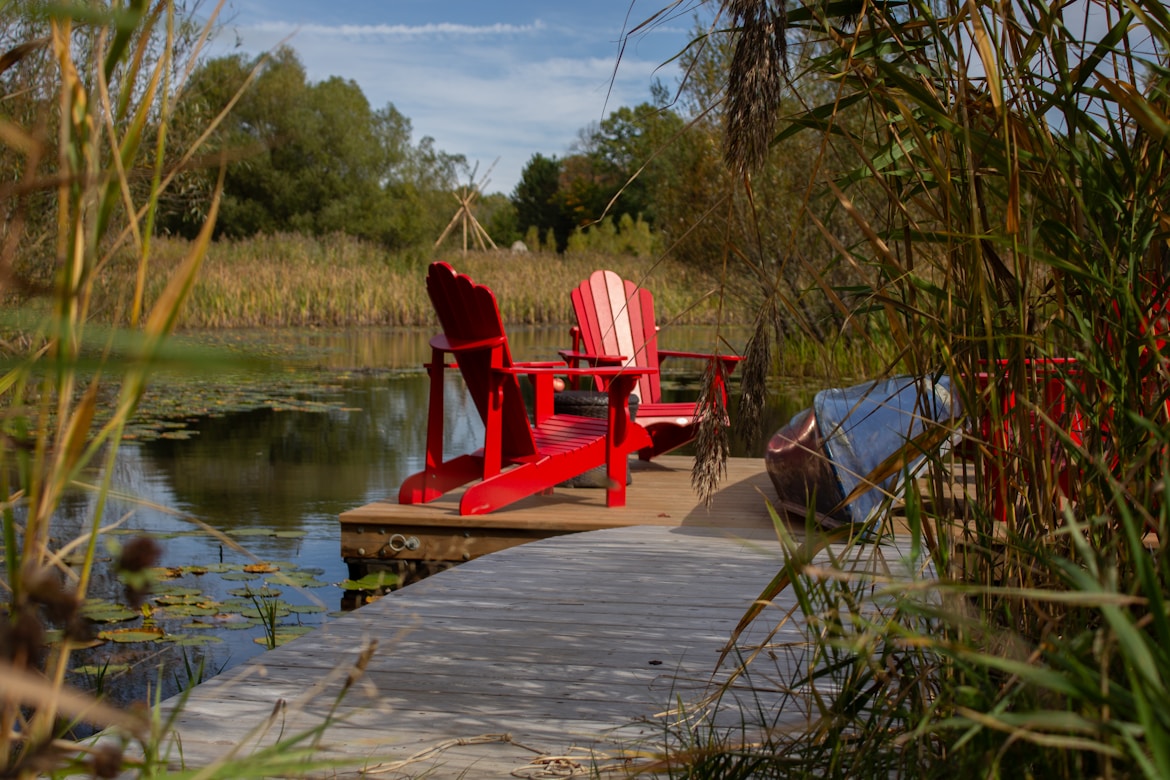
337	281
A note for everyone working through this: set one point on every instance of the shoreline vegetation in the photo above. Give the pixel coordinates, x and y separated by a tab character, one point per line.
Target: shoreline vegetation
289	280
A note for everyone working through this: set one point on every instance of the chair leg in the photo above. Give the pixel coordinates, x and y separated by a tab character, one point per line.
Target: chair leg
428	484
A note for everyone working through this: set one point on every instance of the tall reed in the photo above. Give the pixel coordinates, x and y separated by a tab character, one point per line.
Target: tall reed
114	79
1009	173
339	281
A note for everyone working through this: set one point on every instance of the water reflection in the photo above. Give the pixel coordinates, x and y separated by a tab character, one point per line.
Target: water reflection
287	475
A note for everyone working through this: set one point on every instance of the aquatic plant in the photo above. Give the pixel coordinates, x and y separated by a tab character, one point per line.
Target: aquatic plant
1005	169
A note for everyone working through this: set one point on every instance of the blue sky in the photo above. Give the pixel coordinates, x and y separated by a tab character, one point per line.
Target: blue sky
485	79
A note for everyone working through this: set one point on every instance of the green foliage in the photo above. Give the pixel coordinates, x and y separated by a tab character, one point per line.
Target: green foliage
993	220
536	202
314	157
629	237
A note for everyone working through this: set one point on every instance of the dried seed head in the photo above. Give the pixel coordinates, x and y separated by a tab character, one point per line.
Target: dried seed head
106	760
755	80
711	445
140	553
22	637
753	383
45	587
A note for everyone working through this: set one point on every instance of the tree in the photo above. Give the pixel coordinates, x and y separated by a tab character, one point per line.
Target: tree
536	201
316	158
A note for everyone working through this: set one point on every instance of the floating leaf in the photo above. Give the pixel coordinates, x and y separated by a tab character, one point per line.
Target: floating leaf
290	534
177	590
190	610
284	634
305	609
194	640
263	593
261	568
269	610
107	612
174	599
240	576
296	579
372	581
95	670
143	634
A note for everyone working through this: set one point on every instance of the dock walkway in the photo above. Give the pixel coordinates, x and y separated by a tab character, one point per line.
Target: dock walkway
560	655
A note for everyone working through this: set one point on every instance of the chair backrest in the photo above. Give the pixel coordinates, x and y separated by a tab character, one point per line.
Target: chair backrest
616	317
468	312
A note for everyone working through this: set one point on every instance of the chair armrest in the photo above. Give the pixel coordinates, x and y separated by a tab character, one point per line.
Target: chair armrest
445	343
699	355
575	358
541	378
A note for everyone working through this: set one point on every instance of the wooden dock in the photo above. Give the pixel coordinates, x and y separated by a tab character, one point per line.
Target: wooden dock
556	658
386	531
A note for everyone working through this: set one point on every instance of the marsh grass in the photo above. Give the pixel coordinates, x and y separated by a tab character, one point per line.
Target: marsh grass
1006	165
339	281
97	145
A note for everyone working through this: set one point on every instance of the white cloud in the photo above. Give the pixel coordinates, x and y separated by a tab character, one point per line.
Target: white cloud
483	91
398	30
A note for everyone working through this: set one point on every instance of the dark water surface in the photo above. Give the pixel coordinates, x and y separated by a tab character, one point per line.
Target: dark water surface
273	480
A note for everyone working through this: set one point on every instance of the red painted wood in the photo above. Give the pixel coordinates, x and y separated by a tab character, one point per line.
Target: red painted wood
518	458
616	326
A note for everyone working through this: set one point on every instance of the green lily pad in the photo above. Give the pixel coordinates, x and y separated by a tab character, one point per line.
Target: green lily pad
125	635
175	599
261	593
277	609
195	640
190	610
96	670
176	590
372	581
240	576
306	609
108	612
284	634
296	579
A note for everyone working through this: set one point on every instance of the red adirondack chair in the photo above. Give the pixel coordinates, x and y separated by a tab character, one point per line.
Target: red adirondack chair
615	327
519	457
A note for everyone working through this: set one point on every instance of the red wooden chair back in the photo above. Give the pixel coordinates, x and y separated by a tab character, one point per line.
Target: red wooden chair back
616	317
468	312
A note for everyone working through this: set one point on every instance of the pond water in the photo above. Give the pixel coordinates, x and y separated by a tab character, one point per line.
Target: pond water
271	477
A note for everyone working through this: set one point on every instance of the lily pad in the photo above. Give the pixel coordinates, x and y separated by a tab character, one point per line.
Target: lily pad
277	609
305	609
96	670
372	581
108	612
284	634
262	593
143	634
175	599
194	640
261	568
240	576
190	610
296	579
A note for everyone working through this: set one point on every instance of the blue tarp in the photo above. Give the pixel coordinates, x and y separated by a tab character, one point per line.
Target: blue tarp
867	423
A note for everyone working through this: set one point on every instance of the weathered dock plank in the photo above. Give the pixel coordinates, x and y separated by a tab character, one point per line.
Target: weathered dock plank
575	645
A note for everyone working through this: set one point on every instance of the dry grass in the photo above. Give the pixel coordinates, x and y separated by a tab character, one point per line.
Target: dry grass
337	281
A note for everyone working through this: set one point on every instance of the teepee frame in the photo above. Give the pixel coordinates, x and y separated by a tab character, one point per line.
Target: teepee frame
465	215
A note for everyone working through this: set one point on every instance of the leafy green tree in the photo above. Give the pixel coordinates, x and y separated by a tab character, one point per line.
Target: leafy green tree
315	157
